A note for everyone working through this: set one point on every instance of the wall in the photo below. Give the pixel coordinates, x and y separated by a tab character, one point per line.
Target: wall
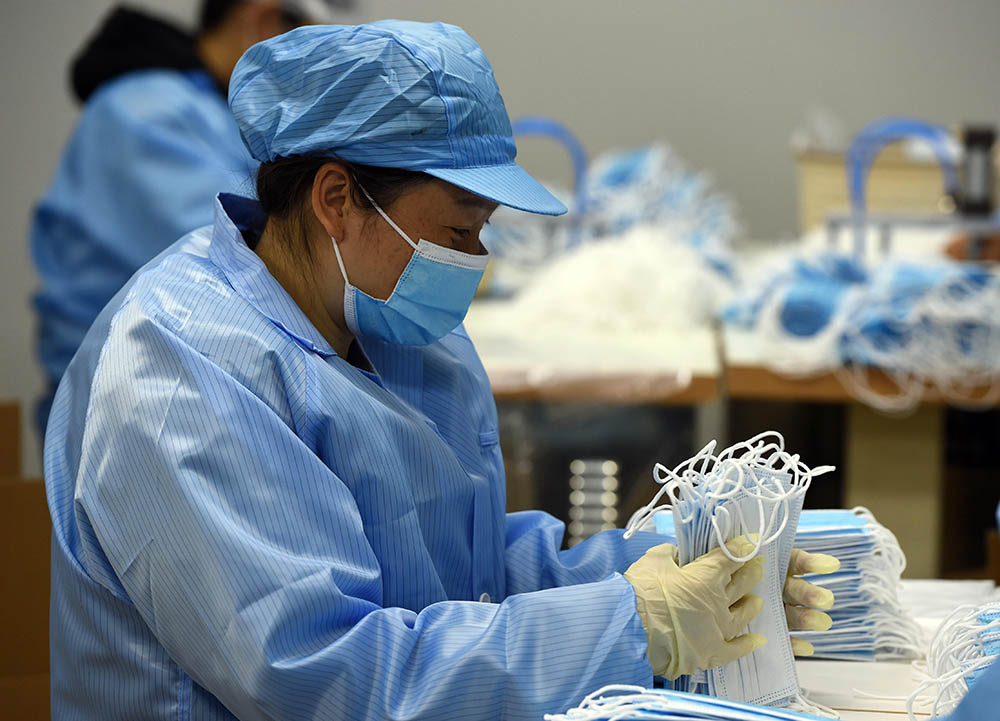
725	82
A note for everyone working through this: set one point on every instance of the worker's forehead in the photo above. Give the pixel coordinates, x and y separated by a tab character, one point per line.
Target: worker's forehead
466	199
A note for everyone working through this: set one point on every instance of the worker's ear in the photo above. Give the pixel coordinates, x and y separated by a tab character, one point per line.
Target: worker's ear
332	199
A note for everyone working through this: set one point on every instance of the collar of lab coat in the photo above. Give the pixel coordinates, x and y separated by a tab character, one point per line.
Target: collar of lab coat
248	275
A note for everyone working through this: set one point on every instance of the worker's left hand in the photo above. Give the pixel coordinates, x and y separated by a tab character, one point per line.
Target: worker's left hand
803	598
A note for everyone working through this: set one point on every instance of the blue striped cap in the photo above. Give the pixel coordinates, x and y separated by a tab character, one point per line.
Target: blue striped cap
395	94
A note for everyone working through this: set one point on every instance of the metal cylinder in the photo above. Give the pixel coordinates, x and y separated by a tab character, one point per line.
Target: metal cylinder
593	498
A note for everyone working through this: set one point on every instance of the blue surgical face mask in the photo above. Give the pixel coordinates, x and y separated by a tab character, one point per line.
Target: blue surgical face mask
430	299
768	675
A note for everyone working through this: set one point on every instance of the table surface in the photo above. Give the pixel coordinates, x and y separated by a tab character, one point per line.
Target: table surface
682	367
749	376
836	684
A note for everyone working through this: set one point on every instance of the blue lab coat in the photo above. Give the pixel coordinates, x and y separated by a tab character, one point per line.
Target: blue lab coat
247	525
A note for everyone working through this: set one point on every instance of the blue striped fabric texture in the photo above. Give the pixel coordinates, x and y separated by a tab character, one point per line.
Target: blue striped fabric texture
358	90
396	94
248	526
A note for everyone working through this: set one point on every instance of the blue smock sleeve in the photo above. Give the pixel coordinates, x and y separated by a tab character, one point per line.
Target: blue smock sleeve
247	558
534	560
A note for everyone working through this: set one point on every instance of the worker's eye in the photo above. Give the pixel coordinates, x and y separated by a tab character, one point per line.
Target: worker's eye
461	232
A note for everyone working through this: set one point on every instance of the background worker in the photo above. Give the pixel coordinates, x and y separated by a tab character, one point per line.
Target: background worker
154	143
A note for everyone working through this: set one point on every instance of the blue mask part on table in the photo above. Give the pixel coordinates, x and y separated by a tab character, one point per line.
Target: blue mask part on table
928	323
988	641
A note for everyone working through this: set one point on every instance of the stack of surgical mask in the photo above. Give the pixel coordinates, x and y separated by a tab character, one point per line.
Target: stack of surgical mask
964	646
869	622
756	489
634	702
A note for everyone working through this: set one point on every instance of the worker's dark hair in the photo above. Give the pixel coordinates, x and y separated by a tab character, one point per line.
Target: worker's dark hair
215	12
284	185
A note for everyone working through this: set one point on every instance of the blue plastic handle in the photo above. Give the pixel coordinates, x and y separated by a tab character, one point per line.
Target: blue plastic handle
867	145
549	128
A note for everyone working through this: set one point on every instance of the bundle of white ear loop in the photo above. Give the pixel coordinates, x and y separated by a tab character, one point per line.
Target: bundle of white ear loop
964	646
704	484
619	702
753	489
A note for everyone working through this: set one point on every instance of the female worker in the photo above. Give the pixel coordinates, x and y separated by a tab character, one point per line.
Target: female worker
273	466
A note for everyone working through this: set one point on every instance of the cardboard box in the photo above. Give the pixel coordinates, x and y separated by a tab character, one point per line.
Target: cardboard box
10	439
896	184
24	698
25	532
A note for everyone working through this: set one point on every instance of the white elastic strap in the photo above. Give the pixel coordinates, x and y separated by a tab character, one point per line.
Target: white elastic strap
340	261
803	704
386	218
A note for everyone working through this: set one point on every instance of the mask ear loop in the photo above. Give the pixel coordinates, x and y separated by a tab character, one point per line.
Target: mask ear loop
682	476
720	480
955	652
764	534
661	475
952	686
801	478
721	540
749	443
767	532
893	628
340	261
385	217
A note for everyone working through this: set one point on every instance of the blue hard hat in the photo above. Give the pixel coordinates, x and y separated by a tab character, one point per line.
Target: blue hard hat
395	94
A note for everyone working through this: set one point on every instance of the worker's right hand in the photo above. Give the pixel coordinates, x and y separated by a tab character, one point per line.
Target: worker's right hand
694	616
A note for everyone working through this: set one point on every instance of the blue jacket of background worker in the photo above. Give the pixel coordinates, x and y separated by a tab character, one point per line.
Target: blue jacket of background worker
152	148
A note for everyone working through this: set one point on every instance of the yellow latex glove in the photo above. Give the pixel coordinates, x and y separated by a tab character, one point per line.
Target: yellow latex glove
802	598
693	616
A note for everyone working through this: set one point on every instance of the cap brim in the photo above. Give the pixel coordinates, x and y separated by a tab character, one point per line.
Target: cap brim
508	185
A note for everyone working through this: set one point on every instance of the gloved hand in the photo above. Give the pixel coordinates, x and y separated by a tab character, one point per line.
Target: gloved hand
802	597
693	616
